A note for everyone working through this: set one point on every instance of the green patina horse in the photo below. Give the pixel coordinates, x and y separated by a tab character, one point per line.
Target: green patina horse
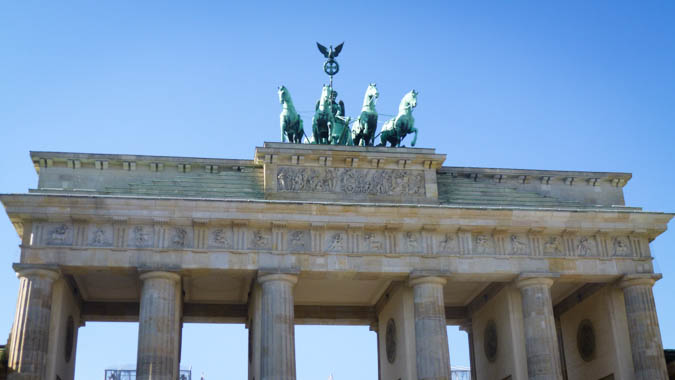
324	117
291	123
363	132
395	130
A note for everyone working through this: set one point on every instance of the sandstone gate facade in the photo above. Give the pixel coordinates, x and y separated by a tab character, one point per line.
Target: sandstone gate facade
548	271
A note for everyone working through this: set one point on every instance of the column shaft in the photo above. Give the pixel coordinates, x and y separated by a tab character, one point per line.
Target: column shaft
159	327
30	332
277	357
431	337
643	328
541	341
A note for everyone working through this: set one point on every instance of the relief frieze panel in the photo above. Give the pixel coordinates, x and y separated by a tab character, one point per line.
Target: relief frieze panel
141	236
351	181
100	235
298	240
260	239
358	240
220	237
58	234
483	244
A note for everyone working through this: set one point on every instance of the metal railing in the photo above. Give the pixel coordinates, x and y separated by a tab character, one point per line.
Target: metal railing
129	374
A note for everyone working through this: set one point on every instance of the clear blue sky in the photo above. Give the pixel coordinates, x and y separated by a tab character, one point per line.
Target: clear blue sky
575	85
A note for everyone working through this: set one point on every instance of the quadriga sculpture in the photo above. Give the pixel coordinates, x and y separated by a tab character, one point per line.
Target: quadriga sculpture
291	123
395	130
324	117
363	132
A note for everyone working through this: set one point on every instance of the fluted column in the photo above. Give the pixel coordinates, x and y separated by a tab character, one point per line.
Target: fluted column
277	357
643	327
541	340
159	327
431	336
30	333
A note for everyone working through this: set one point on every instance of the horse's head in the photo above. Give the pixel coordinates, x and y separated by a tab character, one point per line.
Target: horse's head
411	99
371	95
283	94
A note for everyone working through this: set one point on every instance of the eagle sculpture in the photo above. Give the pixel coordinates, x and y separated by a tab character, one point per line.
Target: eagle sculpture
330	53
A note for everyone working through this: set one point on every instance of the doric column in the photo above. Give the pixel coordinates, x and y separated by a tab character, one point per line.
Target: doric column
30	333
431	337
643	327
468	328
541	341
277	357
159	324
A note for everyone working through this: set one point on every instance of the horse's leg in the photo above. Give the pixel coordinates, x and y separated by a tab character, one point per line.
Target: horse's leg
413	130
282	122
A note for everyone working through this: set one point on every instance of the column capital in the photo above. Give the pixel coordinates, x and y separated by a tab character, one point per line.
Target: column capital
535	279
160	274
291	278
51	272
421	279
636	279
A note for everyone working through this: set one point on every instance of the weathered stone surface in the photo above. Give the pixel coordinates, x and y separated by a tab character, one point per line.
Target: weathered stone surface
30	334
643	327
541	342
159	327
431	337
277	323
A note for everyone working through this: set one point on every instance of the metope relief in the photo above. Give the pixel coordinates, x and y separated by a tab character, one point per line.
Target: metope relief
220	238
337	242
621	246
373	242
59	234
100	236
180	237
448	243
483	244
519	245
298	241
585	246
411	241
261	239
141	236
553	246
351	181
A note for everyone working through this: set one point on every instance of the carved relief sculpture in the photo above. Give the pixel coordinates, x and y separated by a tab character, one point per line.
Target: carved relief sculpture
297	240
260	240
447	244
621	246
351	181
518	247
220	238
372	242
482	244
58	234
337	242
584	247
411	241
142	237
178	238
553	246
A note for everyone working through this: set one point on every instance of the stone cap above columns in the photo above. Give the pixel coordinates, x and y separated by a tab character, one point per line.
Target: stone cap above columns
160	274
291	278
637	279
52	272
427	280
535	279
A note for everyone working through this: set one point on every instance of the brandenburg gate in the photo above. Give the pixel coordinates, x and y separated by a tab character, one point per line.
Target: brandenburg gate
549	272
